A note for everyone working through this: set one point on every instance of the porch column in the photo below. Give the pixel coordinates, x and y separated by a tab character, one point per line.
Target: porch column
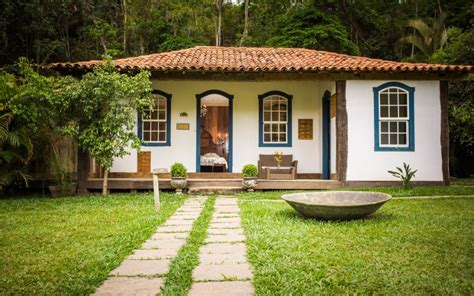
443	98
82	171
341	131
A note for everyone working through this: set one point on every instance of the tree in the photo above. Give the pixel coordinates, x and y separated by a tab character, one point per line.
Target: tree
219	7
311	28
106	102
427	39
245	34
32	105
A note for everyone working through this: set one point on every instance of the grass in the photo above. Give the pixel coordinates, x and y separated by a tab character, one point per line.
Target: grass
69	245
179	278
458	190
407	247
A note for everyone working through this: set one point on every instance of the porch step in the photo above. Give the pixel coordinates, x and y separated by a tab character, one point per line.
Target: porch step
214	190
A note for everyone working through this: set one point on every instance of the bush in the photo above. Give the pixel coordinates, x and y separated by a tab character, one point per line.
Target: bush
178	170
250	170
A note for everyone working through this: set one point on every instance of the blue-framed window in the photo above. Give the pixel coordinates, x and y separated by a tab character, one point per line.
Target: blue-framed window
154	125
394	120
274	119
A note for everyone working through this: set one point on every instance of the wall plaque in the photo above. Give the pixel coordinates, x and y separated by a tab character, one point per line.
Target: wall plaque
305	129
333	105
182	126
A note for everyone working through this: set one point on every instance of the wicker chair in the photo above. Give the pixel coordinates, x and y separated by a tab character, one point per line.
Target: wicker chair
267	164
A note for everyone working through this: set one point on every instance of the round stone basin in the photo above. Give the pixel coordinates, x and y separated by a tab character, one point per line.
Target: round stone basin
336	205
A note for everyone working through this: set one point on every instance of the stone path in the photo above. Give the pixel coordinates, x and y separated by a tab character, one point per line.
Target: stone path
223	268
142	272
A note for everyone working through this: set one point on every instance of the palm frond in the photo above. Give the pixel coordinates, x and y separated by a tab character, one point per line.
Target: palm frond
417	41
5	120
423	29
13	139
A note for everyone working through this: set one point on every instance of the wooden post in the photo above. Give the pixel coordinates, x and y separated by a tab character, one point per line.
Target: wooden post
341	131
82	171
443	98
156	190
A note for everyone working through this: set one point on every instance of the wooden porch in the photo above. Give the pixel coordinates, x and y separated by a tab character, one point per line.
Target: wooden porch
195	183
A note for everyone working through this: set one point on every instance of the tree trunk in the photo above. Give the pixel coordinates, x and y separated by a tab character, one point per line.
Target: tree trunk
219	22
246	23
414	30
124	7
105	189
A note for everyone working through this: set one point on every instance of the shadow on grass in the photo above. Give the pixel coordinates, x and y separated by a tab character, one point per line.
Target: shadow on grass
374	218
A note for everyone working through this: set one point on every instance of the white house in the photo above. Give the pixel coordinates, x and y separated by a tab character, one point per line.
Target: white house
344	118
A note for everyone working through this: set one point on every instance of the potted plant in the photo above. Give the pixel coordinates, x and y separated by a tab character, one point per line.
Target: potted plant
178	177
249	173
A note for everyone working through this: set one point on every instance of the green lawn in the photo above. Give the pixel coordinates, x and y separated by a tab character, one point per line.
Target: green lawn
408	247
69	245
462	188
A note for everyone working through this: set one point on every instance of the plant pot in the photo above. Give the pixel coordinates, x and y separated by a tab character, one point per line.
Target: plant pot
249	183
179	183
55	190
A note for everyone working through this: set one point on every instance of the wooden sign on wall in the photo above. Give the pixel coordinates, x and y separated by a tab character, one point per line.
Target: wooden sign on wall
333	105
305	129
182	126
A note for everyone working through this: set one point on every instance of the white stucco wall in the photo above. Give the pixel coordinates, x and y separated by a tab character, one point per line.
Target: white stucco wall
306	104
365	164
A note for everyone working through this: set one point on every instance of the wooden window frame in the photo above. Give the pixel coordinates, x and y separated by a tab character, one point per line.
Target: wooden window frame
398	88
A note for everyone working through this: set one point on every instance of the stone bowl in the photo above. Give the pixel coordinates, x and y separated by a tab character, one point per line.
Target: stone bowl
336	205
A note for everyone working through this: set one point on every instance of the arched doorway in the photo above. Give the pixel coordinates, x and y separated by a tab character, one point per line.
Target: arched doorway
214	131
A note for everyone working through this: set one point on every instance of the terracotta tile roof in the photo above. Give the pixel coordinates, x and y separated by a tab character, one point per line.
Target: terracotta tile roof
254	59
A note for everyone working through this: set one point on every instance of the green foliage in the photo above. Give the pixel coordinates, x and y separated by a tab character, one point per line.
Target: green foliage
461	128
313	29
75	242
405	175
16	148
178	170
459	48
106	102
38	112
178	42
249	170
427	39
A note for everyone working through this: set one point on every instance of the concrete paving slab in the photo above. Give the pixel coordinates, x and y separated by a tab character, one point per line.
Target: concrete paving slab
222	272
142	268
124	286
225	231
169	235
153	254
225	225
223	248
174	244
177	228
226	220
234	288
230	238
211	259
174	222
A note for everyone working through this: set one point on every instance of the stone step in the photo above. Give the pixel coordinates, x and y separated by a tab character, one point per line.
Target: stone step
215	190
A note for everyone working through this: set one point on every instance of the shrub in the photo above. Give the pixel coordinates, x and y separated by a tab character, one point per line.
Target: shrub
249	170
178	170
404	175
